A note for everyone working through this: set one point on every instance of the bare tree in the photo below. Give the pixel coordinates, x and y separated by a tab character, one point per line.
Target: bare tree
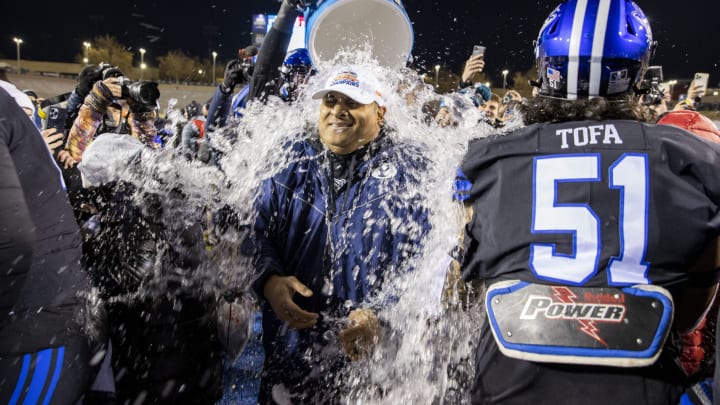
178	67
201	70
447	81
109	50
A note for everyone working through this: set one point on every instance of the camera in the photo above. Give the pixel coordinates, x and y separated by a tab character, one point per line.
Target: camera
247	70
144	93
652	92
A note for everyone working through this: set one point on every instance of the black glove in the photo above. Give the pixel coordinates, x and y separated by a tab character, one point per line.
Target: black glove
86	78
233	74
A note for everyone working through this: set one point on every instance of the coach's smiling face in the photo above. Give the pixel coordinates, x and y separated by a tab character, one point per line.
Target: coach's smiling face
346	125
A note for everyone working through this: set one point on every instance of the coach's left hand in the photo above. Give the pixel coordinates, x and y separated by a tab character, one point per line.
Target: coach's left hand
363	332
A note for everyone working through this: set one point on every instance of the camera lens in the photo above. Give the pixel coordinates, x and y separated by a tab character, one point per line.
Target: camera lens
145	93
149	92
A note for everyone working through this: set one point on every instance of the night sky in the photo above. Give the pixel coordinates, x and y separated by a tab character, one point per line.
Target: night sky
445	30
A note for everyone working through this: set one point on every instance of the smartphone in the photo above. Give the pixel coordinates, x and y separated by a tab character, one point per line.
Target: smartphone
56	117
478	50
702	80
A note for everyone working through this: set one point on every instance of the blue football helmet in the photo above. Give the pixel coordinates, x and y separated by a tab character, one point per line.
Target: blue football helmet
297	63
298	57
593	48
295	70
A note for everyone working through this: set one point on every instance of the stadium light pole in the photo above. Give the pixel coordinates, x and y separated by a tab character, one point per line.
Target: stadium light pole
142	62
18	41
437	75
86	45
505	73
214	54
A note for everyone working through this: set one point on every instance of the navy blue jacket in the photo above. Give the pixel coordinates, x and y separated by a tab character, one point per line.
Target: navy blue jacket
225	105
343	250
41	279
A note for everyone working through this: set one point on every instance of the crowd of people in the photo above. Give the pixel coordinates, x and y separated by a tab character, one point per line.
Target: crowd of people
589	245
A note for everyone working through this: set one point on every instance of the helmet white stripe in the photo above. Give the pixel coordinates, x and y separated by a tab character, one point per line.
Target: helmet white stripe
574	51
601	23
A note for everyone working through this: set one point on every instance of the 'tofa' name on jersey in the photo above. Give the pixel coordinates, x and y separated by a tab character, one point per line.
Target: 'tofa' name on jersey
591	135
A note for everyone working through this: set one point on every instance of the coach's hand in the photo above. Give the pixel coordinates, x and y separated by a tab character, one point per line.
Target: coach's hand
364	331
279	291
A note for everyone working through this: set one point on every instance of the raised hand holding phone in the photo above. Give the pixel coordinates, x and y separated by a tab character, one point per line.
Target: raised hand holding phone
700	83
478	50
475	64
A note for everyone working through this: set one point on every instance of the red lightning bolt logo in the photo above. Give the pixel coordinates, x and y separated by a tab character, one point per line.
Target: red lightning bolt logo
564	294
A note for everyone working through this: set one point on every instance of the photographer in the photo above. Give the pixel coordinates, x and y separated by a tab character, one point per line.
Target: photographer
223	103
265	76
86	78
104	110
267	72
653	95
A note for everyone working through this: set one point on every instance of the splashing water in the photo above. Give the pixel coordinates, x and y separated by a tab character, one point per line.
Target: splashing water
428	356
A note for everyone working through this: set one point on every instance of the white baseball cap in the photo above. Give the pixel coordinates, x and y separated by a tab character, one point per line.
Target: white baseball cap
358	85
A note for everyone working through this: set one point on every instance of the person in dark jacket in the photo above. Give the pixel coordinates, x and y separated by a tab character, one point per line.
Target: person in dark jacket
265	76
193	132
333	227
144	262
46	337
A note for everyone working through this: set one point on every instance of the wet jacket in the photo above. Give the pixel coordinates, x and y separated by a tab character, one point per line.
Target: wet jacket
41	279
163	331
343	248
225	105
